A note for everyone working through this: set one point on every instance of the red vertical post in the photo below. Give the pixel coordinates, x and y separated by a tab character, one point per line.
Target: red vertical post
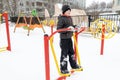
46	50
51	29
102	40
7	30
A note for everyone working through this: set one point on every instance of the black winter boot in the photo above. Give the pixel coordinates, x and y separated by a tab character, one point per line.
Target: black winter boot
63	67
64	71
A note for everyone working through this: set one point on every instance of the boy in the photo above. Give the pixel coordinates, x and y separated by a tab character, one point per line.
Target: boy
66	45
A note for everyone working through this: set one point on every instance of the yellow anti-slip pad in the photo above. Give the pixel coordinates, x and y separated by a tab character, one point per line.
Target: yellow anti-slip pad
3	49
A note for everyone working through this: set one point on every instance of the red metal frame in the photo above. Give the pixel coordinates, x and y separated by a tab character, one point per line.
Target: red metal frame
76	37
102	39
7	30
46	50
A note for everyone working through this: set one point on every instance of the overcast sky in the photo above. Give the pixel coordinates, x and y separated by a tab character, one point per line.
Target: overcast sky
88	2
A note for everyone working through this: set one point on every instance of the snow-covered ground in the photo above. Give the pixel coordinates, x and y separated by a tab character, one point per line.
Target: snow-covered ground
26	60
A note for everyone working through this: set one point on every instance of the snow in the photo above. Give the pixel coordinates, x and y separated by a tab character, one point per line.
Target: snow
26	60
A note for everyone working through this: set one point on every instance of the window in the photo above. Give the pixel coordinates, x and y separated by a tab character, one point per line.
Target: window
21	4
27	9
118	2
27	2
33	4
39	3
40	10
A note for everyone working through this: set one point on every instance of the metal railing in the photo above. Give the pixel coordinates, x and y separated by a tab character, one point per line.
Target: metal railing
81	20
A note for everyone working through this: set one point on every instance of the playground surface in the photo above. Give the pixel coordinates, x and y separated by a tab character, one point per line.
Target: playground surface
25	61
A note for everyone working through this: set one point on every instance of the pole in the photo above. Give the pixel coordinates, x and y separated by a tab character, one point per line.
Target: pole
51	28
102	40
7	30
46	50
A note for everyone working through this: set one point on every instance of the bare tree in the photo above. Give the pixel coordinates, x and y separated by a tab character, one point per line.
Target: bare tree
95	8
14	8
9	6
109	5
102	5
50	6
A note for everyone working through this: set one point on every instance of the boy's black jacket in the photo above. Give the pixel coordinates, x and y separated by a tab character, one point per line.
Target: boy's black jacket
65	22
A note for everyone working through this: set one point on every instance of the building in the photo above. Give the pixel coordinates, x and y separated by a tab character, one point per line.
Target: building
27	6
75	3
116	6
0	6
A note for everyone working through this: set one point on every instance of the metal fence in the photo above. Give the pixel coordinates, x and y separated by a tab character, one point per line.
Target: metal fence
82	20
87	20
114	18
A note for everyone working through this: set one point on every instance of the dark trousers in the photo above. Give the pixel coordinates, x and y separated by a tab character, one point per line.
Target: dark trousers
67	50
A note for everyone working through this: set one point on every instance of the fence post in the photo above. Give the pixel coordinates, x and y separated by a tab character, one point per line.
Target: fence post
102	39
89	20
5	14
47	63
